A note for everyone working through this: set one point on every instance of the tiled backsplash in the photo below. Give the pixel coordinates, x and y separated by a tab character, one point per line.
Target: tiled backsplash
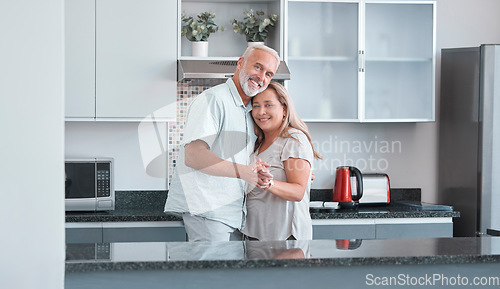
187	90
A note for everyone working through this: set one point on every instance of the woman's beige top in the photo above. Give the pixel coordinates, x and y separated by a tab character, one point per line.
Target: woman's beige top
269	217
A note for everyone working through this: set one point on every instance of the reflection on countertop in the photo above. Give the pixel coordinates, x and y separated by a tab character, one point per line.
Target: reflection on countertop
255	254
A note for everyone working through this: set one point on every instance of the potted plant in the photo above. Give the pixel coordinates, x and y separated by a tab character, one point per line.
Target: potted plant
254	26
198	30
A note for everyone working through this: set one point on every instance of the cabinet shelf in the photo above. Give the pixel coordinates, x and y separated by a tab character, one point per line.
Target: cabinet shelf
321	58
398	59
347	58
230	1
227	58
228	44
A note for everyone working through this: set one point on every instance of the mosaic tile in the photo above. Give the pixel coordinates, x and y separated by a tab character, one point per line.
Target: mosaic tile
186	93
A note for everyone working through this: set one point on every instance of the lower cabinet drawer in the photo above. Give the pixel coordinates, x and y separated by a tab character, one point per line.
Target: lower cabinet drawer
364	231
401	231
322	229
159	234
110	232
382	228
83	235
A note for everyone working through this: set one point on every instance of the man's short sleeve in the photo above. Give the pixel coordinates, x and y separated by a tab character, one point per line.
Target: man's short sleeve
203	120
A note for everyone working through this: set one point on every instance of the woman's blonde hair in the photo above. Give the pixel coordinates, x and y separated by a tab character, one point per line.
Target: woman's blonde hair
290	119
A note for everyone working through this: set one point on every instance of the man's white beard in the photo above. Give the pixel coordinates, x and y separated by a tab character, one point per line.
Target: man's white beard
244	79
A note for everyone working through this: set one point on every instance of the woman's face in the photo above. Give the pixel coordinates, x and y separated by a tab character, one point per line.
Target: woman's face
267	110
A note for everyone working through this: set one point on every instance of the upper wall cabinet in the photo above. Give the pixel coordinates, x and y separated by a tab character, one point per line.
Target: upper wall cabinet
121	60
80	58
323	42
362	61
227	43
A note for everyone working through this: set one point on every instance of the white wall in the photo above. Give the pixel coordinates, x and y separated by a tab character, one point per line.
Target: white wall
31	147
404	151
122	141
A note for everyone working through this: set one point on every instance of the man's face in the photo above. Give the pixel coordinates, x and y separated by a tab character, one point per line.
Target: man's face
257	72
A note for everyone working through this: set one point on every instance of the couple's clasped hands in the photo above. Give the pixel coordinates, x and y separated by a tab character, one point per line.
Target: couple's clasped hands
259	175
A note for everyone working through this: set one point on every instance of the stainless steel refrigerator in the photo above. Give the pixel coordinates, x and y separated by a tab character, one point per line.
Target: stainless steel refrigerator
469	138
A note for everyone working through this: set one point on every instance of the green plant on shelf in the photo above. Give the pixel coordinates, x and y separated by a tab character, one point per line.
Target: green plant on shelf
199	29
254	26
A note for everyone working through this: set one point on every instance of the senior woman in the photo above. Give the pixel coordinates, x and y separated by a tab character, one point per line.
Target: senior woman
280	211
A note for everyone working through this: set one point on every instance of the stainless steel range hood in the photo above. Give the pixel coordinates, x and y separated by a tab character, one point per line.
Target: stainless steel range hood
218	69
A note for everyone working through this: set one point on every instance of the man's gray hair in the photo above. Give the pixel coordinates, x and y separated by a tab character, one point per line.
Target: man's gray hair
268	49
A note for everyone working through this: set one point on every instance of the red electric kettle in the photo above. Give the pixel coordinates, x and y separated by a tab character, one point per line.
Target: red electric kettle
348	244
342	192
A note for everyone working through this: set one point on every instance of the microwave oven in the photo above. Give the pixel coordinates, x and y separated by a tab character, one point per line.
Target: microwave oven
89	184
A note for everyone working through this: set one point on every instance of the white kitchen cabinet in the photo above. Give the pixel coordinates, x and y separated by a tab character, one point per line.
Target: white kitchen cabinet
80	58
228	44
331	229
169	231
83	233
362	61
323	60
414	228
121	59
112	232
382	228
323	229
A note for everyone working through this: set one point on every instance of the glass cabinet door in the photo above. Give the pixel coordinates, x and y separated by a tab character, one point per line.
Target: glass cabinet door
323	59
399	62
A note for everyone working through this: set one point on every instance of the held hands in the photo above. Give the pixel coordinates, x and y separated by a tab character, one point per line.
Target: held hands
257	174
265	180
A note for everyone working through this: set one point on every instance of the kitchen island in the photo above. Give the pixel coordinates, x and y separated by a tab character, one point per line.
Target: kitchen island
129	255
432	262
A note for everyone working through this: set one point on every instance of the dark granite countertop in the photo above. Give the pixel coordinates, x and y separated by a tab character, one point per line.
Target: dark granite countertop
315	253
121	215
398	210
138	215
147	206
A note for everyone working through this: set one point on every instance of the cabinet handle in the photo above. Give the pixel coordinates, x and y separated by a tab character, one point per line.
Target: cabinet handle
361	61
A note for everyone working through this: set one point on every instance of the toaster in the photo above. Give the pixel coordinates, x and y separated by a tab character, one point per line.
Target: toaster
376	189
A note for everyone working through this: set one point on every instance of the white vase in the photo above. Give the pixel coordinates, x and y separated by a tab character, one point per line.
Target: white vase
199	48
254	43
